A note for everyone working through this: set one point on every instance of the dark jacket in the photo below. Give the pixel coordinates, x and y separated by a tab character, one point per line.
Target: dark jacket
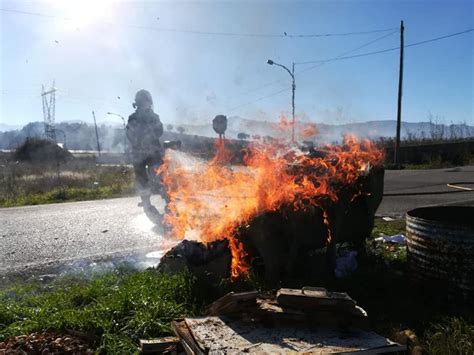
143	131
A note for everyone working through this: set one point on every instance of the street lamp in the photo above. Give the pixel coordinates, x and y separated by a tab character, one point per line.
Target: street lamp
124	130
293	87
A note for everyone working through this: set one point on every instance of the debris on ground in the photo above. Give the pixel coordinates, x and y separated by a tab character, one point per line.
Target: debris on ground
408	337
47	277
311	319
46	343
400	239
210	262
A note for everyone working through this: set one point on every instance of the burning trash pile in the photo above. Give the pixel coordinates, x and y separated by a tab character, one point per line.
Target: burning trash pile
270	202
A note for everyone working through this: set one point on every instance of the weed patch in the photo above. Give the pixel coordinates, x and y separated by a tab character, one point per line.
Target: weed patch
116	309
450	336
29	184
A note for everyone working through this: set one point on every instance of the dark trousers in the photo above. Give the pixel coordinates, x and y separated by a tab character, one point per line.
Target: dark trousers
141	175
140	167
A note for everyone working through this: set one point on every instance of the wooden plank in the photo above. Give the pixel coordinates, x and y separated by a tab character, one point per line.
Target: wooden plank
388	349
232	303
269	310
314	298
231	335
181	330
159	345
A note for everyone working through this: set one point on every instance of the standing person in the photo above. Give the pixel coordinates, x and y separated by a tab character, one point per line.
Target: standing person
144	129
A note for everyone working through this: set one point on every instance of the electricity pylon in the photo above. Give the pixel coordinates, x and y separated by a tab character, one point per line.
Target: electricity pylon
49	103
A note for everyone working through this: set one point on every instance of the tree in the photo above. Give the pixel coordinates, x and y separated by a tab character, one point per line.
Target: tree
169	127
180	129
243	136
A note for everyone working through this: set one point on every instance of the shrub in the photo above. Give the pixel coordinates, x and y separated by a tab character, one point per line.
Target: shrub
451	336
37	150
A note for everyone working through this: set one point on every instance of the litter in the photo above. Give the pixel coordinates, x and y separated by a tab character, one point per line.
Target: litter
400	239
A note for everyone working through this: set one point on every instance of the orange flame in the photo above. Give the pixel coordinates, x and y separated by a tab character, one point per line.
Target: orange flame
209	200
285	123
305	130
308	130
239	265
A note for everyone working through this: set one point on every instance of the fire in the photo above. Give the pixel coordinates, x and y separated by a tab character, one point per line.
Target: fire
305	130
239	265
209	200
308	130
284	124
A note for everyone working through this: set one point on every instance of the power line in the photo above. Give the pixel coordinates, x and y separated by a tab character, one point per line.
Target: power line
210	33
389	49
307	69
346	53
259	99
324	61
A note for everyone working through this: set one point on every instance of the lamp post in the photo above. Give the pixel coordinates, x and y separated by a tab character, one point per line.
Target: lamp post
293	87
124	130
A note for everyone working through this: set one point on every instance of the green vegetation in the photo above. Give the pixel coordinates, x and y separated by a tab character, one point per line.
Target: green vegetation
388	253
79	179
41	151
114	309
451	336
431	154
388	227
67	194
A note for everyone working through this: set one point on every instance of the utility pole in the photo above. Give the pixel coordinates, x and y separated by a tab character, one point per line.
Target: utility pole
293	87
96	133
399	106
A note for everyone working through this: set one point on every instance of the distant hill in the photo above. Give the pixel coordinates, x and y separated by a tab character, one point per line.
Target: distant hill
80	135
330	133
6	127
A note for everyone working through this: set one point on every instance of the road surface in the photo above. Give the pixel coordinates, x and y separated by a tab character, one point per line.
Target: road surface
37	236
43	235
408	189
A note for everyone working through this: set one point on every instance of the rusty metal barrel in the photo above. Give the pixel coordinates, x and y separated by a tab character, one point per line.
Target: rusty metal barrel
440	248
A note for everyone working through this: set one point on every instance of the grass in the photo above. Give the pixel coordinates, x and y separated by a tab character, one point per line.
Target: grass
393	227
80	179
438	163
66	194
451	336
116	309
384	251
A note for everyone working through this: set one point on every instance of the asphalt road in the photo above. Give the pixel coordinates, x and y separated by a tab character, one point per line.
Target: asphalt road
41	236
35	237
408	189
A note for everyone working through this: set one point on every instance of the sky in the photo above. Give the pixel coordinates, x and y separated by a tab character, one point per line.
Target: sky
200	59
